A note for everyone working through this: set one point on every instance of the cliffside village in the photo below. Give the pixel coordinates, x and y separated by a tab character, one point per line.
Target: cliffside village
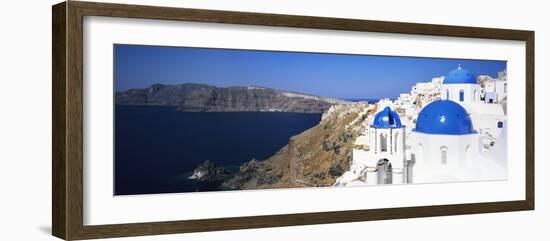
448	130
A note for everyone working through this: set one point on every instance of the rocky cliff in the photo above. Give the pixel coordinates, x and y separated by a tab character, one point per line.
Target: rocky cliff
315	157
206	98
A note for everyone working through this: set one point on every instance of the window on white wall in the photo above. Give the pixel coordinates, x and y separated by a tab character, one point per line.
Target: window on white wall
443	155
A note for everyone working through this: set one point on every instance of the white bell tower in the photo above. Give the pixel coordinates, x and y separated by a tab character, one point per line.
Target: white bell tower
383	162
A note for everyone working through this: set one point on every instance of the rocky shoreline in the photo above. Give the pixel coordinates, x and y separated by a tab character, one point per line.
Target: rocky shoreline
313	158
208	171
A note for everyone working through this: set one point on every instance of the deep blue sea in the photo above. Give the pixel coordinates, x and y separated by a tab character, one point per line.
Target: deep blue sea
157	148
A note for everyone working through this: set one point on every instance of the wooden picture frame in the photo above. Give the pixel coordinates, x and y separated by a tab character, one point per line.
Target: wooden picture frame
67	150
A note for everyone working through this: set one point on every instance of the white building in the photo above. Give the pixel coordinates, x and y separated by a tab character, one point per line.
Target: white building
494	90
427	88
481	101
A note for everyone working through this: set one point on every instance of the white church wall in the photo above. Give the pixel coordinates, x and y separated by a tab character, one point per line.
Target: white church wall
438	154
360	158
472	92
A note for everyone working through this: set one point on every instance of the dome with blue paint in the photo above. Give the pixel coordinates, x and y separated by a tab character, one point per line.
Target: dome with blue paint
444	117
460	76
386	118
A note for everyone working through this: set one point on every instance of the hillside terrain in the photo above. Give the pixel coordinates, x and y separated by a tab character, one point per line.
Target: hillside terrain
315	157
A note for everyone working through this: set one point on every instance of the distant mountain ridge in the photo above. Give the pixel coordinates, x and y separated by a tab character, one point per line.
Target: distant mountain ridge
191	97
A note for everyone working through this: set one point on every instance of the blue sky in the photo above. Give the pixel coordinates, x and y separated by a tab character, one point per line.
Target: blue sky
333	75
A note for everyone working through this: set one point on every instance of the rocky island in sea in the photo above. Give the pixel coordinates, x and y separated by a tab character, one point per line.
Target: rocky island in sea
191	97
209	171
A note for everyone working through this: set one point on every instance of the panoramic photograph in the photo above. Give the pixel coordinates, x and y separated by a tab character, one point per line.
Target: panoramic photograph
189	119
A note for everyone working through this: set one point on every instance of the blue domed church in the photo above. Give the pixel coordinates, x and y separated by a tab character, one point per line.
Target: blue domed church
443	141
384	159
460	85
